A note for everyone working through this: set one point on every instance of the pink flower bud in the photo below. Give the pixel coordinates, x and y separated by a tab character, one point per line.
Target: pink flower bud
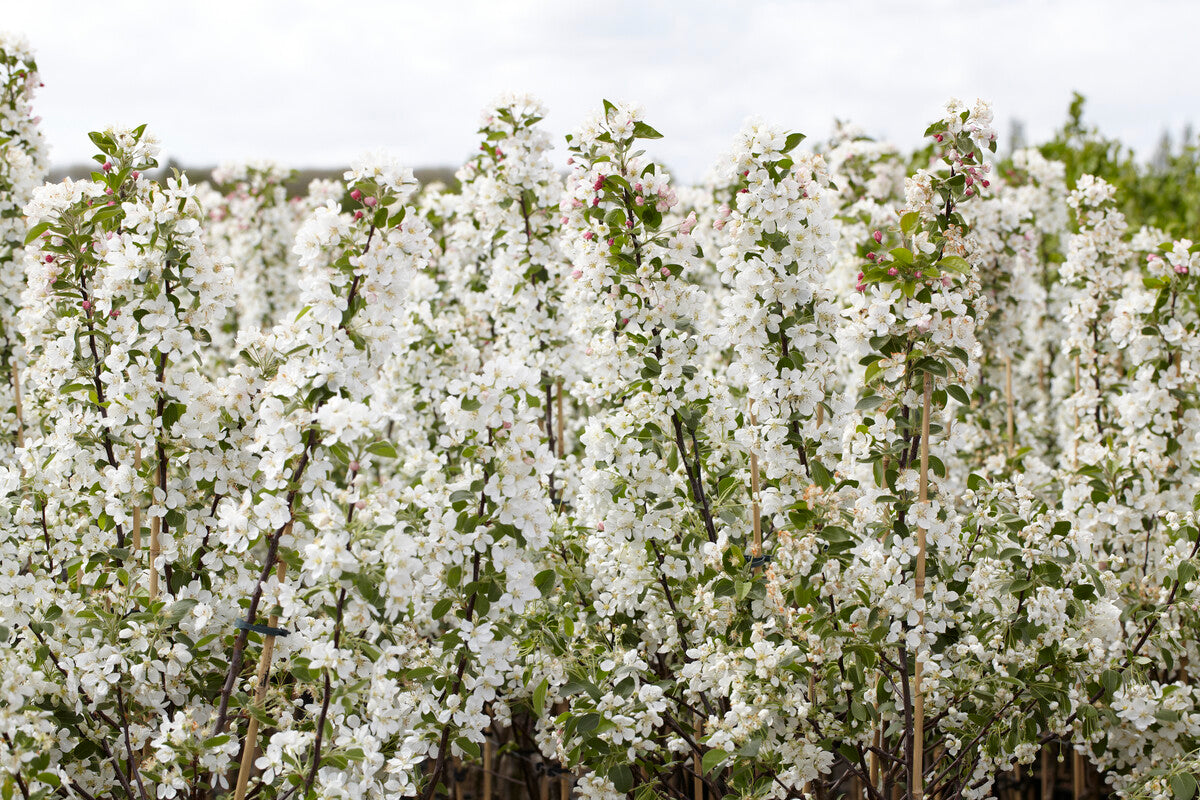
877	236
595	202
507	425
577	274
871	256
355	195
861	287
136	174
370	201
599	526
986	184
968	192
628	223
564	220
893	271
946	280
107	166
87	305
358	214
665	272
354	466
937	137
108	191
116	312
360	504
637	187
49	259
571	160
610	241
598	185
639	201
625	321
589	236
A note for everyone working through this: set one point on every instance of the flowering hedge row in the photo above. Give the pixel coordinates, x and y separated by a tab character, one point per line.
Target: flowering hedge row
842	472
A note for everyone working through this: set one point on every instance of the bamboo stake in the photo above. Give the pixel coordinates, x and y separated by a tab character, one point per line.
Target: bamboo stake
1075	422
1077	778
918	756
1047	774
137	505
250	747
16	382
543	787
558	403
487	769
698	769
755	515
155	528
1008	398
874	755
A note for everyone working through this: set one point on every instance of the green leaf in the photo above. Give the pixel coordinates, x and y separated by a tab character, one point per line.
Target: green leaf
643	131
1183	786
175	612
36	231
384	449
441	607
908	222
539	696
954	264
869	403
544	581
793	139
959	394
1110	679
711	759
622	778
903	255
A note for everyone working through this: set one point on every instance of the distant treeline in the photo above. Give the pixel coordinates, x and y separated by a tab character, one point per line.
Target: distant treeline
298	185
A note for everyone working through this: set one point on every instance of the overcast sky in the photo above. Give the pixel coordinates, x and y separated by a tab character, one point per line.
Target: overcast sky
316	82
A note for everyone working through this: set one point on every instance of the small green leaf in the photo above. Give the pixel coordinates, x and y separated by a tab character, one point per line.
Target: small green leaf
539	696
622	778
869	403
711	759
954	264
1183	786
175	612
793	139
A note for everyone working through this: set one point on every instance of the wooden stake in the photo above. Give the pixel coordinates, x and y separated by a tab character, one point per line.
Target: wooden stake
1075	423
155	528
137	505
16	383
1047	774
250	745
874	755
558	409
1008	398
755	515
918	756
487	769
698	768
1077	778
